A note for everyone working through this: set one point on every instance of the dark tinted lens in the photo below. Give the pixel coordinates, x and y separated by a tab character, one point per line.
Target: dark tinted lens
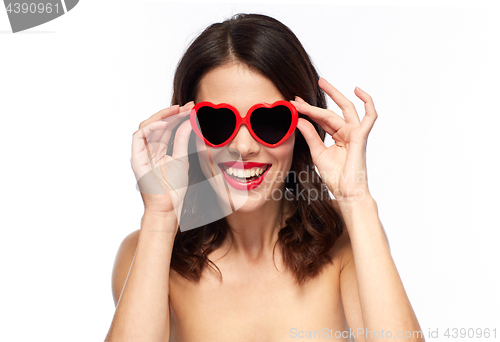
216	125
271	124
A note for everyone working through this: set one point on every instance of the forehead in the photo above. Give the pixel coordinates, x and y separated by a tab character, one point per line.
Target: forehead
238	85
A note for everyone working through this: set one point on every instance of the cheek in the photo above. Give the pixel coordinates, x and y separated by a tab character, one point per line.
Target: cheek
283	156
284	153
208	158
203	158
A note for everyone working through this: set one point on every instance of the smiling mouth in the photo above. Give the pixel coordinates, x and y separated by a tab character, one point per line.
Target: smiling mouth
245	175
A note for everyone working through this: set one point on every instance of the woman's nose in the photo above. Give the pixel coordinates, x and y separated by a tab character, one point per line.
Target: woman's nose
244	143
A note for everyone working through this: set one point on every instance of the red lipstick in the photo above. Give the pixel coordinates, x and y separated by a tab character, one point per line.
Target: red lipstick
243	165
239	185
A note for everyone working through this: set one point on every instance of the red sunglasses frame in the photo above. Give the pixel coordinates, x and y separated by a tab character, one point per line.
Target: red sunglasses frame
244	120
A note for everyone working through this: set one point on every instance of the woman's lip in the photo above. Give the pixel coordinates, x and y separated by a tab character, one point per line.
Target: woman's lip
243	165
245	185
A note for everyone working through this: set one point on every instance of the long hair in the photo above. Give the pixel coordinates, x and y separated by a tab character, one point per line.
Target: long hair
269	47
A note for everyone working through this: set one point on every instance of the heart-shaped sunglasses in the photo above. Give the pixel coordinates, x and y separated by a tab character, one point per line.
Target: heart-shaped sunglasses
269	124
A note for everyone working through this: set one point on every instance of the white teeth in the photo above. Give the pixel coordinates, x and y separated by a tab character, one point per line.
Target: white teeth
245	173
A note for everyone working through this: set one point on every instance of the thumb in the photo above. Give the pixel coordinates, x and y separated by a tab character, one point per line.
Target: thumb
181	140
316	145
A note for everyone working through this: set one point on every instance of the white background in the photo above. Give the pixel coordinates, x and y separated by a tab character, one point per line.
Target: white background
74	90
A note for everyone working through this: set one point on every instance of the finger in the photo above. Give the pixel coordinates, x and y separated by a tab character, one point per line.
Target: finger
181	141
137	143
173	121
146	131
327	119
155	130
370	112
140	158
187	107
176	119
183	112
140	155
316	145
344	104
162	114
141	140
165	137
299	99
164	140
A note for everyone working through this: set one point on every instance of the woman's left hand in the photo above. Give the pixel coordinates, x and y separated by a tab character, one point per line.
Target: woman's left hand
342	166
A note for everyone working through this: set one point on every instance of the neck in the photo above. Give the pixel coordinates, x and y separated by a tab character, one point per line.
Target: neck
255	233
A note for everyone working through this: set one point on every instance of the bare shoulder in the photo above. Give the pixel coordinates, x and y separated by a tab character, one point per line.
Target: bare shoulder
344	256
123	261
342	250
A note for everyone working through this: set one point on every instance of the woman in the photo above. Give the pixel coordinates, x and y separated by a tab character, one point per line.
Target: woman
276	268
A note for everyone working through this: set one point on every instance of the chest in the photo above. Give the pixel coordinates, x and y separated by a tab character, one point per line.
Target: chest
254	307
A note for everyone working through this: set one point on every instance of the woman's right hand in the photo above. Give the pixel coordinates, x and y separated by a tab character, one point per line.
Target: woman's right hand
162	179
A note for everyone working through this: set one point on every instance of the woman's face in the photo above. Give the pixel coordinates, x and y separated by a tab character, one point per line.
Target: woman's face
241	87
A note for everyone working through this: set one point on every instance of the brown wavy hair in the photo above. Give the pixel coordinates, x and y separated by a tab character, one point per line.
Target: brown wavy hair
269	47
